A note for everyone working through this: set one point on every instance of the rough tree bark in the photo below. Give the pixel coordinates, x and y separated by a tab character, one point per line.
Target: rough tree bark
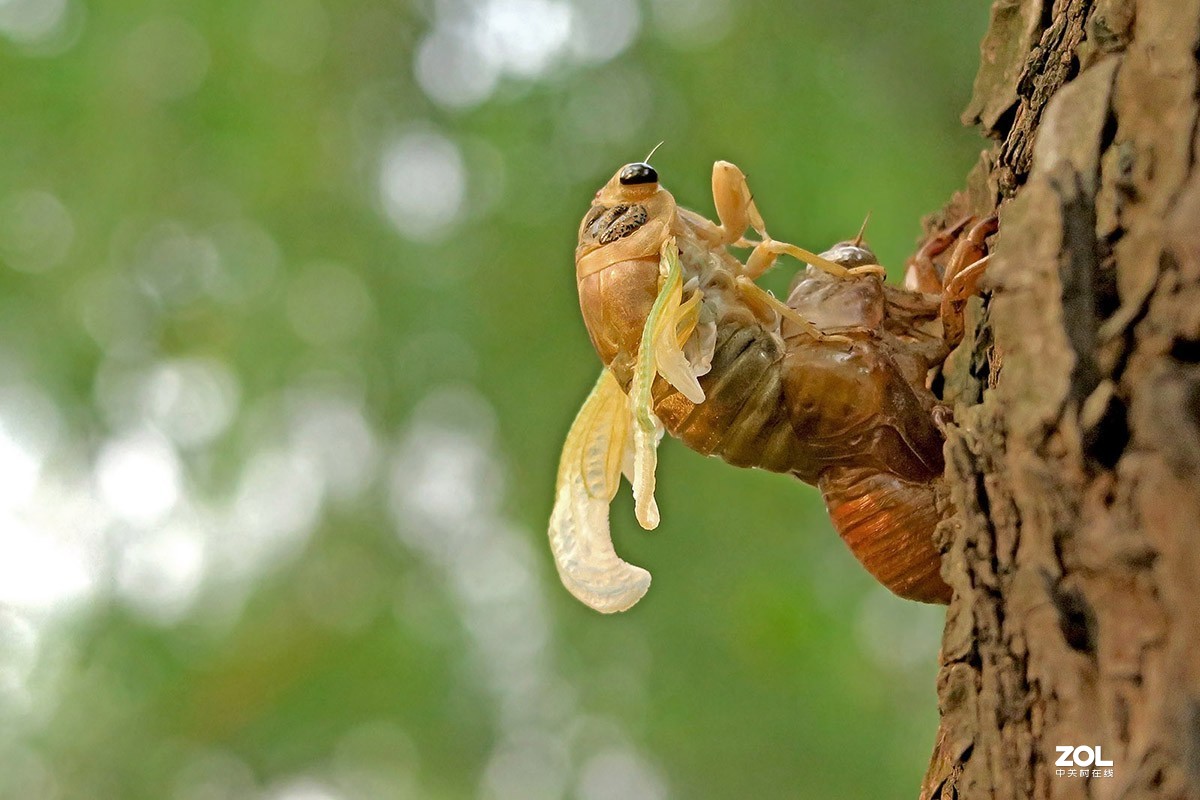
1073	466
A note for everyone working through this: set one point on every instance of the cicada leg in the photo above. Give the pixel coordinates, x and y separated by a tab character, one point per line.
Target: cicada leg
766	252
921	275
755	294
964	271
737	211
970	249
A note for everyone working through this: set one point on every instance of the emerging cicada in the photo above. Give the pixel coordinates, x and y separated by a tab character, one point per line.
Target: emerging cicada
829	386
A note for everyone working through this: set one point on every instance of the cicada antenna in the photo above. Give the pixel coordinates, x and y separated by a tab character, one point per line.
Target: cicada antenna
652	152
858	239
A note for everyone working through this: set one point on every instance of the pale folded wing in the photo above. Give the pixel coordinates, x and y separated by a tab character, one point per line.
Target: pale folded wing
588	476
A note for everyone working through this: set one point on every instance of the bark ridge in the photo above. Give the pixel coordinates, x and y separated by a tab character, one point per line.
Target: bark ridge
1073	466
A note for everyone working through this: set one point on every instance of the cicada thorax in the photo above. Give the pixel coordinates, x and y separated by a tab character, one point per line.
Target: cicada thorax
743	419
617	267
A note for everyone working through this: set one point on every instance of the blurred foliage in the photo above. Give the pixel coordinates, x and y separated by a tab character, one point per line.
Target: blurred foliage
290	344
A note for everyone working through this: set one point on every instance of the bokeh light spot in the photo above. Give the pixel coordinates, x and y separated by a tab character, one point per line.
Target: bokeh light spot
40	570
159	572
620	774
422	184
602	29
32	22
469	50
452	72
139	476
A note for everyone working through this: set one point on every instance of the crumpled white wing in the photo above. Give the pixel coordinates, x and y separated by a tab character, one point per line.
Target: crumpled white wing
588	476
670	320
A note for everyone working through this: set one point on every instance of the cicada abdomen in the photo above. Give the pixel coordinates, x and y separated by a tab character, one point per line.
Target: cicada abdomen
888	524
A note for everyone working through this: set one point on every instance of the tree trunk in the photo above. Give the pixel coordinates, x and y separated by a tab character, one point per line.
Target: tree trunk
1073	462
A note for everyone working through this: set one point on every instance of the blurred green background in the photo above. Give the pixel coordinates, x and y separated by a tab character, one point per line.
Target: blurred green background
288	349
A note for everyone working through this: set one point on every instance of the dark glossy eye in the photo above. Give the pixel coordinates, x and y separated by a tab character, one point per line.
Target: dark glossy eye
634	174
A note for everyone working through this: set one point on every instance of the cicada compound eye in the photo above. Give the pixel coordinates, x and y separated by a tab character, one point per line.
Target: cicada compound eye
639	173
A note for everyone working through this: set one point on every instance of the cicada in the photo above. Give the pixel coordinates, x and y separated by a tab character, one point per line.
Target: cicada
829	386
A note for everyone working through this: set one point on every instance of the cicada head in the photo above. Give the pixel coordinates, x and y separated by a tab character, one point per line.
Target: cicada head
617	259
853	253
629	218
